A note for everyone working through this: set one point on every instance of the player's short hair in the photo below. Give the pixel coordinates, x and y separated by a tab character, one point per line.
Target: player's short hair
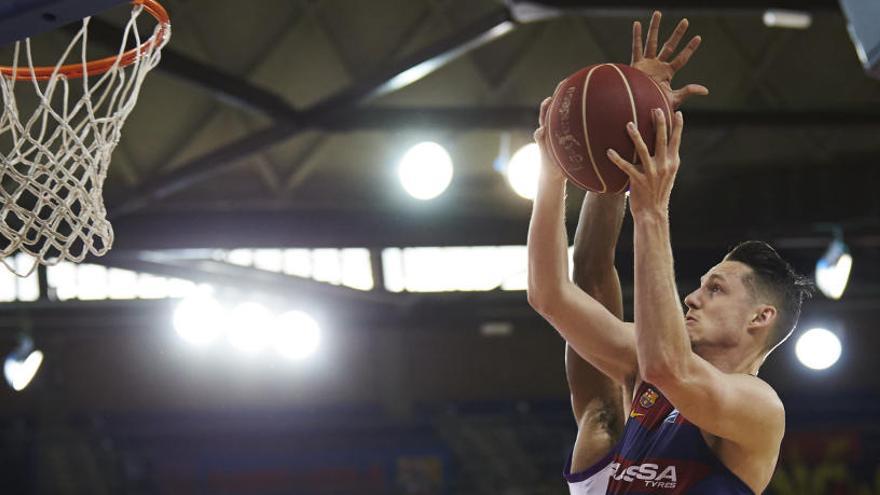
774	281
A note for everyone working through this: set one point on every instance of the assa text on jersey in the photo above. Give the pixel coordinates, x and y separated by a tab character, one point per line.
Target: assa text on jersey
651	474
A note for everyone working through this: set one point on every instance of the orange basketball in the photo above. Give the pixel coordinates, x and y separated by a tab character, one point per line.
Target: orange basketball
588	115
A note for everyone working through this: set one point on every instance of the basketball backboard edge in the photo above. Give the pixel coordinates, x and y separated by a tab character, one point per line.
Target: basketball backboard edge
20	19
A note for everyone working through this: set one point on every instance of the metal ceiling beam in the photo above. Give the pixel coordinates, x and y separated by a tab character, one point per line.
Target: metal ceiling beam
226	87
771	200
239	92
327	114
229	230
408	70
336	111
574	7
527	118
298	228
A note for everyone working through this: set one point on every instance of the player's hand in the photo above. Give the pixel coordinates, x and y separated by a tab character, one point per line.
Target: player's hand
651	182
659	66
549	167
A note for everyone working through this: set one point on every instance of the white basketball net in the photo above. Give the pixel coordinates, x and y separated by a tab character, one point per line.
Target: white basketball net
51	179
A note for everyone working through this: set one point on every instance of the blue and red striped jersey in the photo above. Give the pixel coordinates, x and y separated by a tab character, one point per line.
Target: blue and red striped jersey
661	452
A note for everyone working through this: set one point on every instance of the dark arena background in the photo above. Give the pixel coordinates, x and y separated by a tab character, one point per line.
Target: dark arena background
260	185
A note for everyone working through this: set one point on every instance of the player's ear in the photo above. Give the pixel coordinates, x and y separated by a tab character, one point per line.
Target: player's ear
763	317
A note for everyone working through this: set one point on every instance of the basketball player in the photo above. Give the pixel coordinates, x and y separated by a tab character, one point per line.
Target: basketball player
597	401
700	421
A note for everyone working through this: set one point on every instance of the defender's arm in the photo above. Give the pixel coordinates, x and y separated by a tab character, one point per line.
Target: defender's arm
594	242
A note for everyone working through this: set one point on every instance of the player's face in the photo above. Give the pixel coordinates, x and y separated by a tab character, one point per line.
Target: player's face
720	309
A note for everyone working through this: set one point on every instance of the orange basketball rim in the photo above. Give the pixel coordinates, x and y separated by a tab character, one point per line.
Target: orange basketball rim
99	66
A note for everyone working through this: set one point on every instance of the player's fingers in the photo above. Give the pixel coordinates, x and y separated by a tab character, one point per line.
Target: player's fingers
542	115
637	49
682	59
627	167
641	148
653	29
677	126
660	138
538	136
672	43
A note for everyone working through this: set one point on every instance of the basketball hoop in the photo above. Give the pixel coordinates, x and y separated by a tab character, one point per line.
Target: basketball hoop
54	158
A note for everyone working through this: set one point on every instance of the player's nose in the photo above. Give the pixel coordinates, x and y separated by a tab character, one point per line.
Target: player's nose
692	301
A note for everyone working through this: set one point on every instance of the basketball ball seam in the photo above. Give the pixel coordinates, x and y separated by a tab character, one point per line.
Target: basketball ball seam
635	119
586	133
632	106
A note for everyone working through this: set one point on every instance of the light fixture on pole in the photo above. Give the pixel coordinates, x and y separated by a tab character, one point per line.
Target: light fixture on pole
833	268
22	364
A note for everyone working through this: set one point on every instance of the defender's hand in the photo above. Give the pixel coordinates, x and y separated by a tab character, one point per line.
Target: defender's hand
659	67
651	182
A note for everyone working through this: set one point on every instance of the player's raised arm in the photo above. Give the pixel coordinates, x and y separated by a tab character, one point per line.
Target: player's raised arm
593	331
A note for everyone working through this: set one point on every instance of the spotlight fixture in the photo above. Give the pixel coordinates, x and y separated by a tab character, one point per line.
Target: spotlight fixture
833	268
790	19
22	364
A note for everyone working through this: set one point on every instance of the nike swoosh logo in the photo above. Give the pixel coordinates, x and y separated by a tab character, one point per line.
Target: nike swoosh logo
635	414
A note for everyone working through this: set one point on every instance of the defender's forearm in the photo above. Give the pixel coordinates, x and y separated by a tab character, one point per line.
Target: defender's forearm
594	243
661	339
595	239
598	229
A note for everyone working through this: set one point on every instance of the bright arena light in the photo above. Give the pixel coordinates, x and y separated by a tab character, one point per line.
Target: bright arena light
818	349
296	335
523	171
20	372
249	327
787	19
199	319
425	170
833	269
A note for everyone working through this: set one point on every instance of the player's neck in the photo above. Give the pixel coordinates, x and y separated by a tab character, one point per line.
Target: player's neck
732	359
